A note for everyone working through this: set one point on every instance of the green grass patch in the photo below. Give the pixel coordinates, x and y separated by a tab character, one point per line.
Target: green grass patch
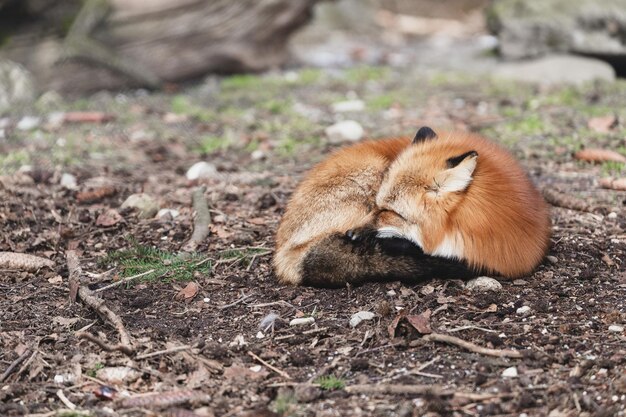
209	144
366	73
166	266
182	104
10	162
94	369
382	102
330	382
284	405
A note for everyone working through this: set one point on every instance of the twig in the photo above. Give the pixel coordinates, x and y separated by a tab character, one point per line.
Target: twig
87	296
289	336
273	303
65	401
28	362
164	352
241	300
458	329
437	390
273	368
499	353
201	221
15	364
120	347
124	281
427	364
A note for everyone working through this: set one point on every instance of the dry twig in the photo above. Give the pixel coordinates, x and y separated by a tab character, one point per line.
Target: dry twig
273	368
164	352
201	221
124	281
120	347
15	364
98	305
437	390
499	353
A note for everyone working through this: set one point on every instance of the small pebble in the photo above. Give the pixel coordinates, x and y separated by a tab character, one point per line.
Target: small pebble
301	321
348	130
612	215
28	123
168	212
348	105
357	318
68	181
616	328
510	372
552	259
146	205
523	310
483	284
201	170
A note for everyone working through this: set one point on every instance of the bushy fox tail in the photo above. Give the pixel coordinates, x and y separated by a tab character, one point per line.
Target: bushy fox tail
338	259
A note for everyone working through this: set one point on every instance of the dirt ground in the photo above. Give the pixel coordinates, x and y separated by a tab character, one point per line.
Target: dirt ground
228	349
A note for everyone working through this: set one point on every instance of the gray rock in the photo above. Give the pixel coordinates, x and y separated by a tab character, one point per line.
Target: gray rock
529	28
28	123
556	69
16	85
202	170
482	284
144	203
345	131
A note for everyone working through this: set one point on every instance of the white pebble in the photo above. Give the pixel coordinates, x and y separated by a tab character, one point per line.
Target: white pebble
165	212
510	372
616	328
68	181
523	310
348	130
301	321
260	335
612	215
28	123
348	105
357	318
201	170
483	284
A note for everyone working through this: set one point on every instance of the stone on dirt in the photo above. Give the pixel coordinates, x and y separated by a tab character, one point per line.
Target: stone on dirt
68	181
510	372
301	321
144	203
344	131
201	170
482	284
523	310
361	316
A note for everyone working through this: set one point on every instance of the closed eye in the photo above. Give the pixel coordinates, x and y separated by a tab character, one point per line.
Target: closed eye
395	213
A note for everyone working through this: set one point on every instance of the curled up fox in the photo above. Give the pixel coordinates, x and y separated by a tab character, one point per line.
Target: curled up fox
451	204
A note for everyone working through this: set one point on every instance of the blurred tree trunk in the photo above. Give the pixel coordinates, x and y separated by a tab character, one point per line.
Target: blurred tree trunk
129	43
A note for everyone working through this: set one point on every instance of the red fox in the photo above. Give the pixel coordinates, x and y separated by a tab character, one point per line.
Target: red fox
440	205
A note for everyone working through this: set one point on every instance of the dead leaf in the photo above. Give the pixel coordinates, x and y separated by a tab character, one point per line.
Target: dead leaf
64	321
421	322
87	117
109	218
259	221
237	372
607	260
599	155
446	300
491	309
613	184
221	232
187	293
391	329
57	279
95	195
602	124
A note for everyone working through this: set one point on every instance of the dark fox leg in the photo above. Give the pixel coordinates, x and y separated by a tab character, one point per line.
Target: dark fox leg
338	259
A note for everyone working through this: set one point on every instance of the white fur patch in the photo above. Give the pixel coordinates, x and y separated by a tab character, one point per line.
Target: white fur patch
412	235
450	247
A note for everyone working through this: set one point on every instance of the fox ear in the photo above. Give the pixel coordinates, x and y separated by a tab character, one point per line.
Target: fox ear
459	173
425	133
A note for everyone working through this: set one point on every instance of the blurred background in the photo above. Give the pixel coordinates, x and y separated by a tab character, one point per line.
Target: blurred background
77	76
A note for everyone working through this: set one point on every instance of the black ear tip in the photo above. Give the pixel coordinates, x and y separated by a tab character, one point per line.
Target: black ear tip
424	133
452	162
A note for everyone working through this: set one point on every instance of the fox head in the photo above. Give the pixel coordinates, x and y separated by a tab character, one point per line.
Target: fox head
421	188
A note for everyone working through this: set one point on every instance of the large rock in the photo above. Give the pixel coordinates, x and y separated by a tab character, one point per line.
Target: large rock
16	85
529	28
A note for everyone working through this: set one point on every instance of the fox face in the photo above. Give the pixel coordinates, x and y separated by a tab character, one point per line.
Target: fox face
419	191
